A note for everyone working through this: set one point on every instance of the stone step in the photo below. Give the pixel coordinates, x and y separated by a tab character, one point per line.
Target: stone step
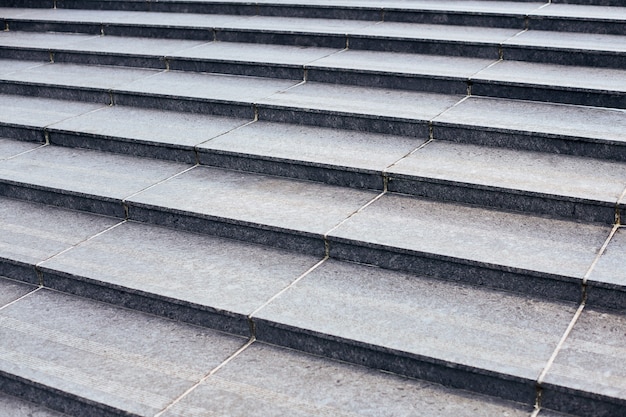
567	48
517	252
450	333
507	14
543	183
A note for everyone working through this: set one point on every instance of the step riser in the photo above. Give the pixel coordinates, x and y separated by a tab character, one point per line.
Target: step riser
565	57
581	404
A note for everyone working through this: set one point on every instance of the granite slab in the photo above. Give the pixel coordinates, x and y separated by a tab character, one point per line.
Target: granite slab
85	356
8	66
559	185
607	281
461	336
130	46
347	158
298	25
368	109
204	280
601	87
10	148
141	132
11	291
41	40
520	252
32	233
544	127
81	179
15	407
275	211
282	382
587	377
579	18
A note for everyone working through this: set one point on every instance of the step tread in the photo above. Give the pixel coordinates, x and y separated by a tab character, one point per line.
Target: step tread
609	269
507	335
576	42
154	348
12	291
133	362
582	12
9	148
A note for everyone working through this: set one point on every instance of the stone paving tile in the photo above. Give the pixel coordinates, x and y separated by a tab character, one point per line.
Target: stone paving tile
12	290
41	40
464	336
280	382
547	257
209	281
39	112
587	377
15	407
576	182
305	152
8	66
299	25
607	281
82	179
90	352
32	233
573	41
263	209
135	46
142	132
9	148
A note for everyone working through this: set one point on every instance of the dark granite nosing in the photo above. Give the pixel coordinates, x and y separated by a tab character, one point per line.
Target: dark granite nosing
453	269
603	295
585	58
293	169
22	133
92	95
184	104
581	403
301	242
550	94
591	2
123	146
19	271
509	199
366	123
313	11
25	54
268	70
424	46
130	6
166	32
61	198
134	299
95	58
564	24
31	4
437	17
532	141
25	25
414	82
336	41
182	6
55	399
402	363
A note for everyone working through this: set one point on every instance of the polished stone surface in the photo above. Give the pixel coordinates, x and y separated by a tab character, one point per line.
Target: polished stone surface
8	66
115	357
226	277
589	365
10	148
39	112
12	290
48	41
462	327
280	382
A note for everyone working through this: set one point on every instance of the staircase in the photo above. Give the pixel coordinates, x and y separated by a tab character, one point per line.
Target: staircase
337	208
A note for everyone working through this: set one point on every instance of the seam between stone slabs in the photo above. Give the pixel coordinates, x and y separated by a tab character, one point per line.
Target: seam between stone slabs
20	298
620	200
431	128
25	152
207	376
597	259
385	171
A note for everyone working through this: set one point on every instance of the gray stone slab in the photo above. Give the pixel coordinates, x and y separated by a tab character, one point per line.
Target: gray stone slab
576	42
82	179
15	407
580	18
607	281
32	233
263	209
281	382
41	40
8	66
581	11
357	108
135	46
86	352
308	152
209	281
39	112
536	126
142	132
462	336
587	377
299	25
486	241
511	174
11	291
10	148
